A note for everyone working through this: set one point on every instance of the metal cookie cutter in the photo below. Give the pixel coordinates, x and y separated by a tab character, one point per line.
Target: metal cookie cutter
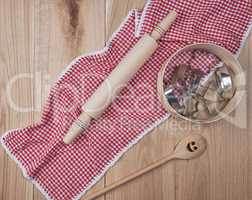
205	83
224	83
173	100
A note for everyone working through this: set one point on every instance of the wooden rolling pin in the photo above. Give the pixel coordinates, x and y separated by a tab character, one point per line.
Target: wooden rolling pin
118	78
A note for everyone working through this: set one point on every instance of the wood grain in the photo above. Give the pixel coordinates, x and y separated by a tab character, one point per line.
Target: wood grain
249	115
41	37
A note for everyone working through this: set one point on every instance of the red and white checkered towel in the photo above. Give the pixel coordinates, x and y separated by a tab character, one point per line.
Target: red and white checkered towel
64	172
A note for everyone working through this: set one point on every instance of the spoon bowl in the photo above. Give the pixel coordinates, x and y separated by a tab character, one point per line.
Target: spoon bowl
190	147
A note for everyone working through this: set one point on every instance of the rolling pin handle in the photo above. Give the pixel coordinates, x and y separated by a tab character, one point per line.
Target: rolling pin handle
164	25
77	128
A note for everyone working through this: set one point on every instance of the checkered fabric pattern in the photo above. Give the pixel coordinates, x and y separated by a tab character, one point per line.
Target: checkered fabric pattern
64	172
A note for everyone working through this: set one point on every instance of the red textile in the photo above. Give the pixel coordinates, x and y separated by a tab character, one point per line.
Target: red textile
64	172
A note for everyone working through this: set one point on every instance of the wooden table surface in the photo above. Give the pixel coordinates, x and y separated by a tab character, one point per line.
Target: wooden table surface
40	37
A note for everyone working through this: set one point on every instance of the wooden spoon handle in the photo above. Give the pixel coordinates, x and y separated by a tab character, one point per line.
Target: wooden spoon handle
130	177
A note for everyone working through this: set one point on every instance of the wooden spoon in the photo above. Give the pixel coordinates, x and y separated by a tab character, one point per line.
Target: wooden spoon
188	148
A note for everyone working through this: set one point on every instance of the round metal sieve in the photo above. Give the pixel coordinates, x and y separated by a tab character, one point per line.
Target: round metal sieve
230	84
